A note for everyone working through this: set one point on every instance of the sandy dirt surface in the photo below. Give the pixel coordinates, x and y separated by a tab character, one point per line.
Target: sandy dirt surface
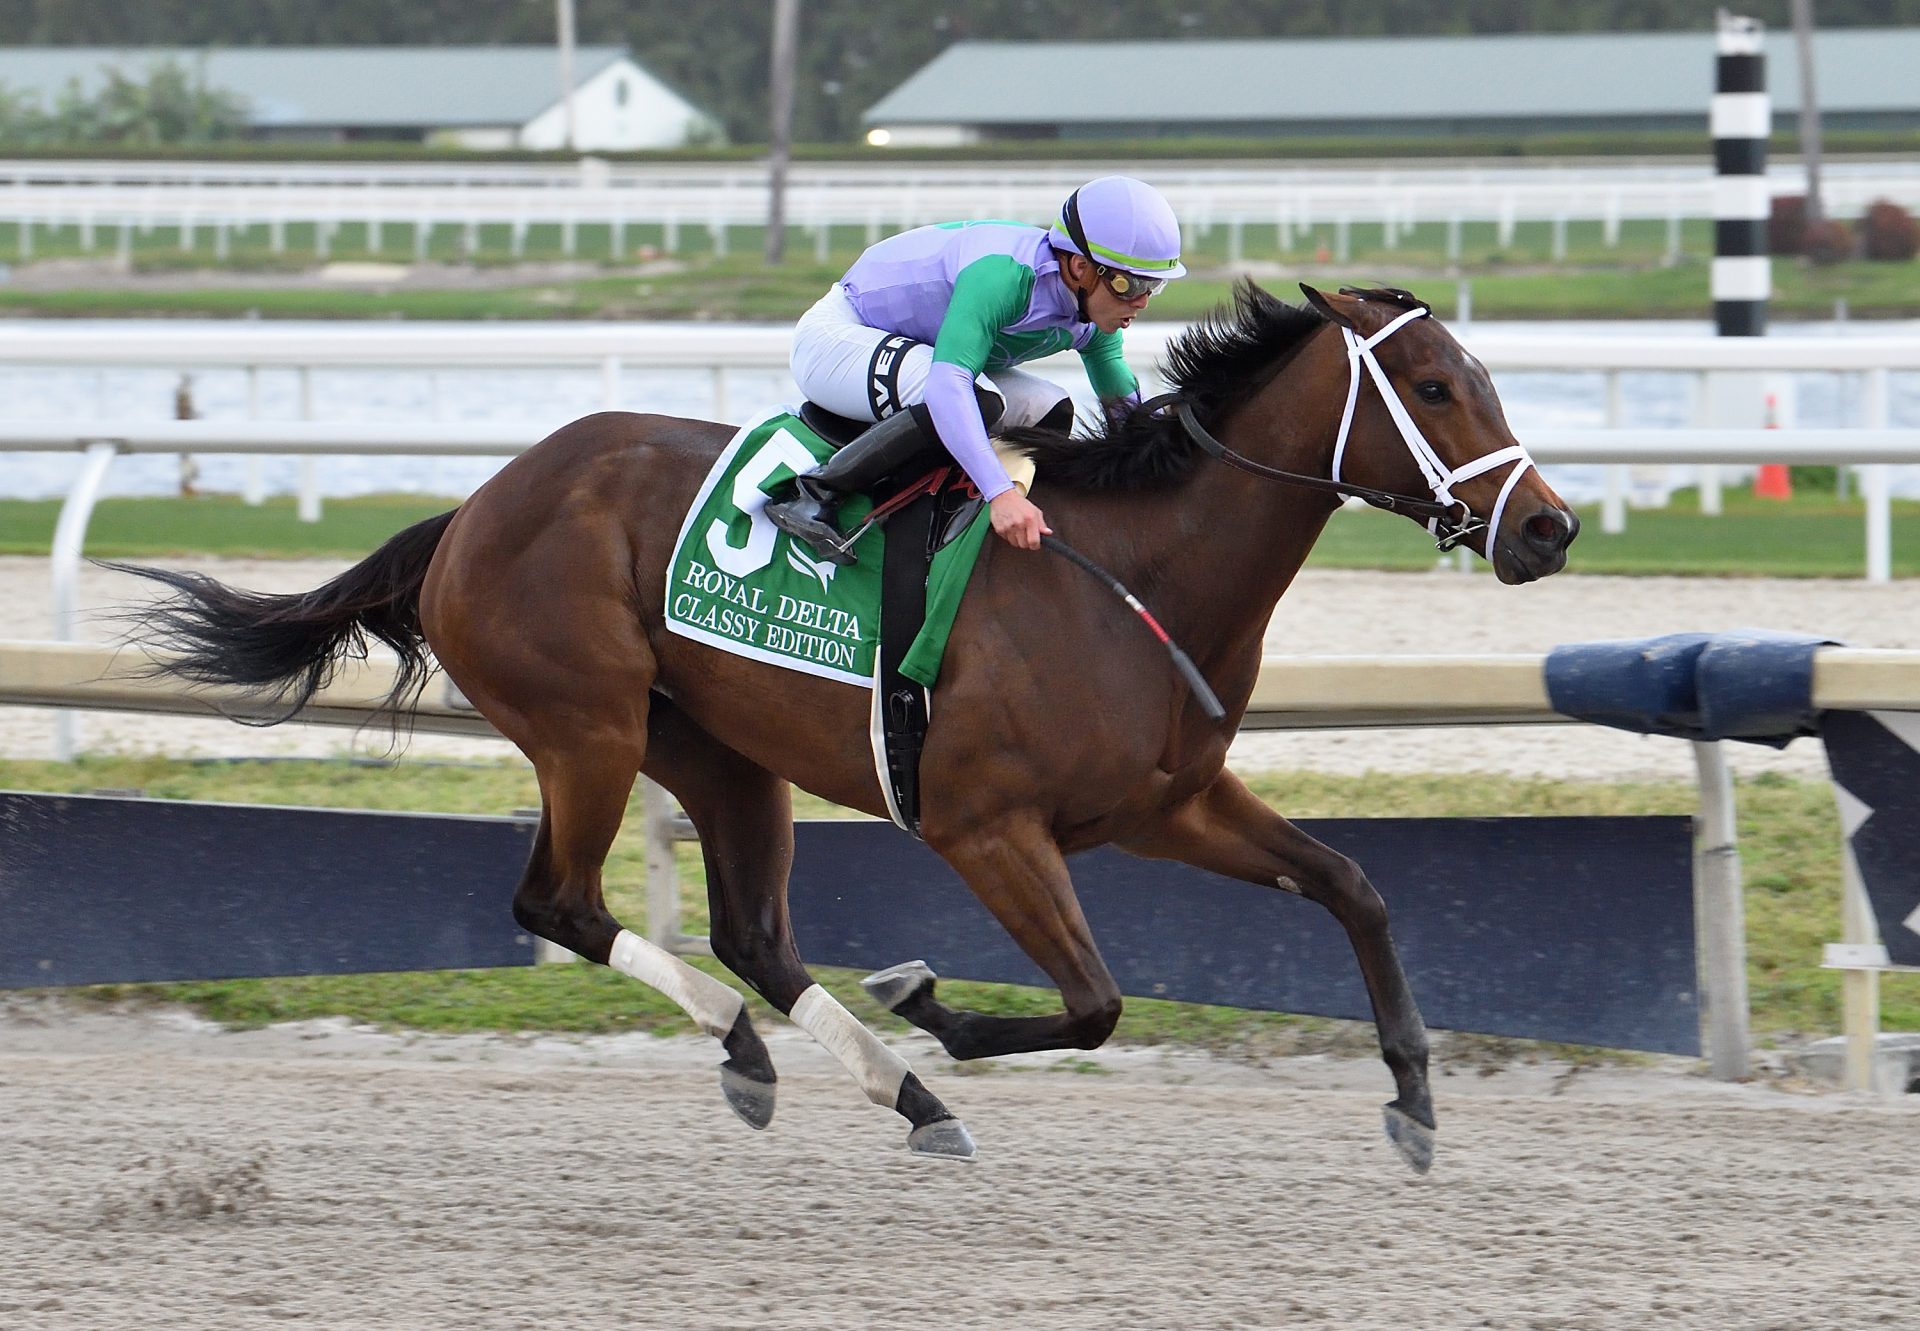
161	1174
1329	613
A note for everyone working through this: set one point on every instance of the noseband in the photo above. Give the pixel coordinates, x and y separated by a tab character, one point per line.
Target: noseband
1449	519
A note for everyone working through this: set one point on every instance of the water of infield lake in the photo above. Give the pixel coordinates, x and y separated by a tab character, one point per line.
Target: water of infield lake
553	396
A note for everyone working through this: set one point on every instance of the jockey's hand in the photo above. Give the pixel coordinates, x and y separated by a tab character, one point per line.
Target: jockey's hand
1016	521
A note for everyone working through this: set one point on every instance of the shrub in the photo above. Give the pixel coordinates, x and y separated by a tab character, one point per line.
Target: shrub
1829	242
1787	224
1888	232
1824	480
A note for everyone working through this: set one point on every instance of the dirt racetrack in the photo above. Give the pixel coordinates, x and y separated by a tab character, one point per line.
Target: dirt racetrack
164	1175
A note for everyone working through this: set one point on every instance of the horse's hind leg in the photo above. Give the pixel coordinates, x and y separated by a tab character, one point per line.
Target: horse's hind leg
584	786
530	607
744	815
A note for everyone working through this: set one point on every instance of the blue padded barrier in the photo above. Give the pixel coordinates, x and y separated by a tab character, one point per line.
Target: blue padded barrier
96	890
1570	929
1749	684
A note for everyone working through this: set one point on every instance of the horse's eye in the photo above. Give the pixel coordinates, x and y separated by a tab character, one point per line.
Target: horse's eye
1432	391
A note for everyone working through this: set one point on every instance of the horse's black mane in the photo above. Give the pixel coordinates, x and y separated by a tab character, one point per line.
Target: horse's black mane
1216	365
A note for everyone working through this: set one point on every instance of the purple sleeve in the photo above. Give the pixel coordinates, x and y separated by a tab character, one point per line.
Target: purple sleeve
956	416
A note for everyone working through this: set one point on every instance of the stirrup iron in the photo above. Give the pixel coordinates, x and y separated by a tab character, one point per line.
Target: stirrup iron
815	529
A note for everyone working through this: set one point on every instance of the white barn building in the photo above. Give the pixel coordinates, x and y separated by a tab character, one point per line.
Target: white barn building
471	96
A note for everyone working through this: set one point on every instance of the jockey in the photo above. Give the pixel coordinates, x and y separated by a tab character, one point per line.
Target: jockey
924	332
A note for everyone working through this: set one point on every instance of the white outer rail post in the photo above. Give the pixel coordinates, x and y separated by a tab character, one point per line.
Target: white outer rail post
309	502
1721	918
610	382
1707	476
254	488
1735	399
1613	508
69	540
1874	486
1876	490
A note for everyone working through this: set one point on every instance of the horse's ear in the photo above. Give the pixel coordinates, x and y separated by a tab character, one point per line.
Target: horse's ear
1327	306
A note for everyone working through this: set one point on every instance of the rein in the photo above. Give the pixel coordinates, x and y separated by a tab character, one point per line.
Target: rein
1387	499
1449	520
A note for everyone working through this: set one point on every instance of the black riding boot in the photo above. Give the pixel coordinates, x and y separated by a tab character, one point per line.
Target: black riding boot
884	449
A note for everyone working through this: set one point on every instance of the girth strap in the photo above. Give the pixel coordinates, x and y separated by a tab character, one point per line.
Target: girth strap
903	706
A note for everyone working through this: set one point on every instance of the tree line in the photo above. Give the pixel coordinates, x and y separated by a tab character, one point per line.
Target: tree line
852	52
163	103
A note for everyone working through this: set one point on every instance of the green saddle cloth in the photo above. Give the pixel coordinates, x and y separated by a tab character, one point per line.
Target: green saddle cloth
741	584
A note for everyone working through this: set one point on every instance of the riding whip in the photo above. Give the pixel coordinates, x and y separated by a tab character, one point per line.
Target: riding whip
1181	661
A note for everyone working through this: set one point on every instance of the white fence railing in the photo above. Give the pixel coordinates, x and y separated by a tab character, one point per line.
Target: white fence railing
415	200
765	346
717	350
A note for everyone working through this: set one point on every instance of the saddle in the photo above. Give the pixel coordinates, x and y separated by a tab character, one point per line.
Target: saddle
923	510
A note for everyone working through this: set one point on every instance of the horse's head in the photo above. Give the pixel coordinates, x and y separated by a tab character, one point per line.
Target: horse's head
1430	424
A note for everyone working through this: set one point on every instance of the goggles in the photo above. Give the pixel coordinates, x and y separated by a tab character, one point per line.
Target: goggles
1126	285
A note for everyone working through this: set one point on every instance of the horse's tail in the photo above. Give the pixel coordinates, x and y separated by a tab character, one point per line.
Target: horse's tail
286	647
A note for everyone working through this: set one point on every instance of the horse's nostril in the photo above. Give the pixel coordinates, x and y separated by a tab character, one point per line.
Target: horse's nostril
1548	530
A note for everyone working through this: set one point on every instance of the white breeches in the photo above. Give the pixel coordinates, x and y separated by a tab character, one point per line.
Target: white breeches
840	363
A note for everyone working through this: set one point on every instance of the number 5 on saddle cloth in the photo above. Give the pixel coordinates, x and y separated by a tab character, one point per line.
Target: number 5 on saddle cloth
738	583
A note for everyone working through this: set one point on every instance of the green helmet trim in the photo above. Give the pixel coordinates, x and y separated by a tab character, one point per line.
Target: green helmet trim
1132	263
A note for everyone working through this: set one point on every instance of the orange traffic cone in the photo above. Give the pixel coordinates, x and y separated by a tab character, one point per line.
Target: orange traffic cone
1772	481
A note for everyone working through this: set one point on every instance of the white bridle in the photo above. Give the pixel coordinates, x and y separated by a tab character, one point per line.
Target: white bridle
1440	478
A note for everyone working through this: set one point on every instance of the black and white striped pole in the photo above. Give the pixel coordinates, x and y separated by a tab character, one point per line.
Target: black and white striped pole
1742	276
1742	120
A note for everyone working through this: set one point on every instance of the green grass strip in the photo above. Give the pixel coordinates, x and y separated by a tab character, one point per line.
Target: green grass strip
149	528
1518	279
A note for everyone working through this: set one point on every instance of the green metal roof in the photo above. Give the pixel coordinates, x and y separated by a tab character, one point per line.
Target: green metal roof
374	86
1555	75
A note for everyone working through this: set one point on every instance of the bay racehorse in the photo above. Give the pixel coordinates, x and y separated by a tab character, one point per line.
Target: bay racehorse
1058	722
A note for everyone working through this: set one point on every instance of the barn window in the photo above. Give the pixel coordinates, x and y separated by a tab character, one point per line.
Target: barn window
619	92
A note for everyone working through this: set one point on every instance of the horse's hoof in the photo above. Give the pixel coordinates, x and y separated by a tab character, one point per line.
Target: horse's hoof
751	1100
747	1077
1412	1138
947	1140
896	984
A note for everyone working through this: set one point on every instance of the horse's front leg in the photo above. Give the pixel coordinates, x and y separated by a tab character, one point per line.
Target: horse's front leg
1015	868
1229	831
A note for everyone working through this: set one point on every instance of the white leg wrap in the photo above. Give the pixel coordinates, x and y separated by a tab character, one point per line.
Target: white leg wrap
710	1003
877	1068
